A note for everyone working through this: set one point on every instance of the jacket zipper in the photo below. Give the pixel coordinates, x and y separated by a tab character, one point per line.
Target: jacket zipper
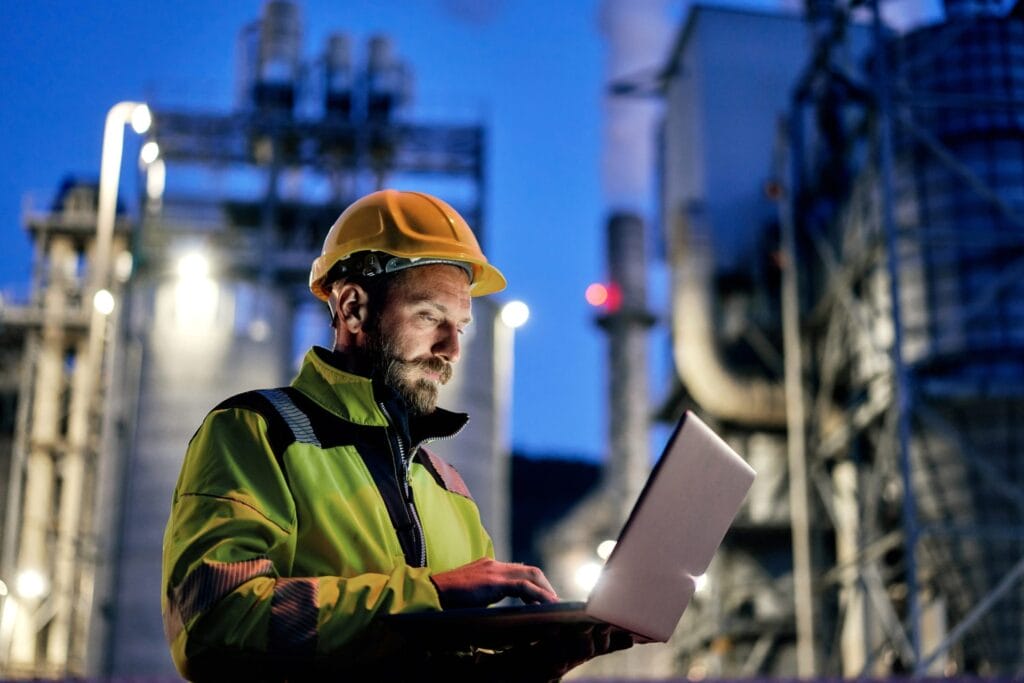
441	438
410	504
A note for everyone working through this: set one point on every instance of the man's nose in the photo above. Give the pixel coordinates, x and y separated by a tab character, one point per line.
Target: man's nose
448	346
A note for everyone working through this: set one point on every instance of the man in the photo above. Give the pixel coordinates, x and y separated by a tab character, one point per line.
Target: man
304	514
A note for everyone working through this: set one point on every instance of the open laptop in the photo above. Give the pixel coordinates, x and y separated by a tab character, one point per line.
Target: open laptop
688	503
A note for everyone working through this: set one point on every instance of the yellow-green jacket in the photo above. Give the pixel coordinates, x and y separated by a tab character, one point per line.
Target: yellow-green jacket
292	527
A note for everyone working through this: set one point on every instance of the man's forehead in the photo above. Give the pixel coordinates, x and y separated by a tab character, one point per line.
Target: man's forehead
434	282
428	278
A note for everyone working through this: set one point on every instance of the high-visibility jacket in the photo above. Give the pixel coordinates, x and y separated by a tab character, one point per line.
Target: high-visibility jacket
299	516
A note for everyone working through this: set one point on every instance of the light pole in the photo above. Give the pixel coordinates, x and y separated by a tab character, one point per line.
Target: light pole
120	115
64	646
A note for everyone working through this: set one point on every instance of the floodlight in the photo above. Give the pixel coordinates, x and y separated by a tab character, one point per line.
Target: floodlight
141	119
515	314
103	301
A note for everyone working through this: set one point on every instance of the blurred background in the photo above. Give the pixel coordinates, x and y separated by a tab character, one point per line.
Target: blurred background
804	222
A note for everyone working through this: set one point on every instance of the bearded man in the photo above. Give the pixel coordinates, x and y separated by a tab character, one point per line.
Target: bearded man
304	514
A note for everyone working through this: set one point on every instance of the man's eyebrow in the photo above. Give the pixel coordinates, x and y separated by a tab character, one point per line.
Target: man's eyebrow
426	299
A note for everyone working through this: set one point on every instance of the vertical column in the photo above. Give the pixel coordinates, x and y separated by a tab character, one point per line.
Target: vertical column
627	324
854	628
44	441
72	470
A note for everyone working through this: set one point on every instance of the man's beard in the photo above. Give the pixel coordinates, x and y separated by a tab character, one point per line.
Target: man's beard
419	394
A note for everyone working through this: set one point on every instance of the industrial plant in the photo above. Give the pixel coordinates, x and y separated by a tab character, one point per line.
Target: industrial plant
841	214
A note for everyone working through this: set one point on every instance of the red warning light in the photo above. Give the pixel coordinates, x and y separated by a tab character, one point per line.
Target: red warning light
607	296
596	294
614	302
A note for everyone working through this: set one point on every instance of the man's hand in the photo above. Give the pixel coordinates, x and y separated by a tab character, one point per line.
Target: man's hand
547	659
487	581
552	658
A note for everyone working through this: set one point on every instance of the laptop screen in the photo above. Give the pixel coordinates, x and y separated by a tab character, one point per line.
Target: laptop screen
680	518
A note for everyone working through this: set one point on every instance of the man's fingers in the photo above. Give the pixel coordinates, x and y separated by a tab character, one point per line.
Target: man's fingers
620	640
485	581
537	576
530	584
530	593
610	639
556	657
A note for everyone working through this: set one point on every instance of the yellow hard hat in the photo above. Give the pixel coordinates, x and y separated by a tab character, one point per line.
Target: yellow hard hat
406	229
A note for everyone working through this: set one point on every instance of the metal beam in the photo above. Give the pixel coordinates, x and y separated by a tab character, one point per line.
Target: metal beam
972	618
901	374
992	476
796	441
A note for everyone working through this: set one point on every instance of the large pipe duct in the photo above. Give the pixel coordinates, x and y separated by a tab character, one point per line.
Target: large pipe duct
719	389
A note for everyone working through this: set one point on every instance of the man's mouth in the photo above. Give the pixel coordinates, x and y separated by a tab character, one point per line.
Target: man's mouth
435	370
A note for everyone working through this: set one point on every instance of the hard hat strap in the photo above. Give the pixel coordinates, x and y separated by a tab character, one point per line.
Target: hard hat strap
396	263
376	263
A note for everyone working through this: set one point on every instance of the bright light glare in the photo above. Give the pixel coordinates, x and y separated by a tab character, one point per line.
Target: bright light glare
587	575
193	266
700	582
596	294
259	330
196	295
123	264
150	152
515	314
142	119
605	548
103	302
3	590
156	180
30	584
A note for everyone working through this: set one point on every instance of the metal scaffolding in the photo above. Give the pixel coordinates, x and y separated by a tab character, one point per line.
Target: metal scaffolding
53	533
292	228
906	218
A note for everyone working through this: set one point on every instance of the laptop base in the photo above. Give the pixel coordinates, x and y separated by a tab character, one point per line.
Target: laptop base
492	628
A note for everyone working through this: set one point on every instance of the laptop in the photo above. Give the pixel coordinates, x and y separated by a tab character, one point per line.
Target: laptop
677	523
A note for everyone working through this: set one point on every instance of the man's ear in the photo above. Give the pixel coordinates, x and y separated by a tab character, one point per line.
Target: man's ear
349	307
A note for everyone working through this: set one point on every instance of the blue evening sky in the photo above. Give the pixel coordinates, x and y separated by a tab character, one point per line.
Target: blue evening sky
532	70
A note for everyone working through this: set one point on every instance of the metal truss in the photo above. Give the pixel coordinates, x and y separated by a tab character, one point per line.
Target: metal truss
923	537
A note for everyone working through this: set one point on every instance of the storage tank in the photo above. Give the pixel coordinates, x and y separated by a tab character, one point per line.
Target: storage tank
960	218
387	85
280	42
958	199
338	77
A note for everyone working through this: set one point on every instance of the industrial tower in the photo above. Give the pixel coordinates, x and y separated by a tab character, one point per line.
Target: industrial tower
910	218
849	312
63	341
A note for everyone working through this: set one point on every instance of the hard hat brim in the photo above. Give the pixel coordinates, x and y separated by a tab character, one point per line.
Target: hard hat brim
407	225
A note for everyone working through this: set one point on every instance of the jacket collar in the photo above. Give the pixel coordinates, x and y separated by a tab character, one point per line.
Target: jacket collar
351	397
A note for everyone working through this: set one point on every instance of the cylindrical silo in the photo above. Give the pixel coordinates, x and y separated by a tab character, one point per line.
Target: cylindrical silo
958	199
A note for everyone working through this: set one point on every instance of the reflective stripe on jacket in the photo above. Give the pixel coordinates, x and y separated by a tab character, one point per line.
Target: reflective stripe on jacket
287	532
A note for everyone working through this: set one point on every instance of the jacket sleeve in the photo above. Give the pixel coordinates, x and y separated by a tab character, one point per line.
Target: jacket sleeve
229	600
